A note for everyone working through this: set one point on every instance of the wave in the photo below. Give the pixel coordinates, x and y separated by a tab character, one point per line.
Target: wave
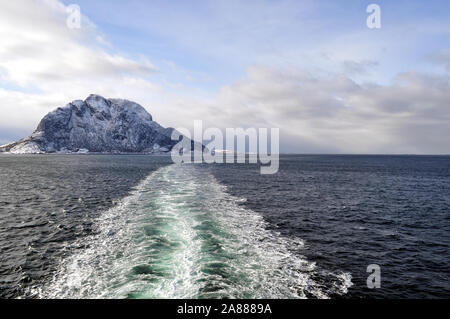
181	235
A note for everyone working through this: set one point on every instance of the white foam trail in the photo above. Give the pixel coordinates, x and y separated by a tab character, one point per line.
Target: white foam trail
180	235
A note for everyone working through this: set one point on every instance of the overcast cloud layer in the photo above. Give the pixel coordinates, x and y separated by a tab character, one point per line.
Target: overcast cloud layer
343	92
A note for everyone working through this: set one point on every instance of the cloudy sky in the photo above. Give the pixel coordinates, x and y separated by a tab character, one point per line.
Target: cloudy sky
312	68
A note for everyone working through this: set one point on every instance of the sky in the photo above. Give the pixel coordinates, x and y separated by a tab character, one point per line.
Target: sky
311	68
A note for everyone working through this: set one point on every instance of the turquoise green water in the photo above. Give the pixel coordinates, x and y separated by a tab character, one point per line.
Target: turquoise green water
181	235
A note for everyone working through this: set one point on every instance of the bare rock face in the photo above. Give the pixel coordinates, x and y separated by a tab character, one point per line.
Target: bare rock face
96	125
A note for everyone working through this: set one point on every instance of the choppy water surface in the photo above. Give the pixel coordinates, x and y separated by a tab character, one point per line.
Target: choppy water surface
139	227
353	211
48	202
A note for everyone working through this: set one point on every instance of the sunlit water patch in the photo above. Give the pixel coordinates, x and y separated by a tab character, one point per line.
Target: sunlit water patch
181	235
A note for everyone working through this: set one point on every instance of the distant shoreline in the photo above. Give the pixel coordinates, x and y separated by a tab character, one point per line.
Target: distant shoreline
281	154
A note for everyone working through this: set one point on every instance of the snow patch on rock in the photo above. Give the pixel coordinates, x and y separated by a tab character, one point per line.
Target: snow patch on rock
26	148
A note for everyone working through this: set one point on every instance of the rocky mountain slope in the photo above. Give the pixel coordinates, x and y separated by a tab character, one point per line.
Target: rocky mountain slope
96	125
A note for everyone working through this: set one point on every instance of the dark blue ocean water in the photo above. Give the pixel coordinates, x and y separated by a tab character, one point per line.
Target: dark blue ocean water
353	211
100	226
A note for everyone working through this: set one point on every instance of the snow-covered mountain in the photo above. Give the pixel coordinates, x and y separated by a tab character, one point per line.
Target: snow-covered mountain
96	125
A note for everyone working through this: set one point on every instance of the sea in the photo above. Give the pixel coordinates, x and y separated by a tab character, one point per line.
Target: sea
139	226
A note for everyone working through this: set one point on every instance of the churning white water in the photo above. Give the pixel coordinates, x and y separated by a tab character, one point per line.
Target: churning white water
180	235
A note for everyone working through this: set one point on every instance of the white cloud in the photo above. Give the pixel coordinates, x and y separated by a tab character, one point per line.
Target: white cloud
332	113
40	54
